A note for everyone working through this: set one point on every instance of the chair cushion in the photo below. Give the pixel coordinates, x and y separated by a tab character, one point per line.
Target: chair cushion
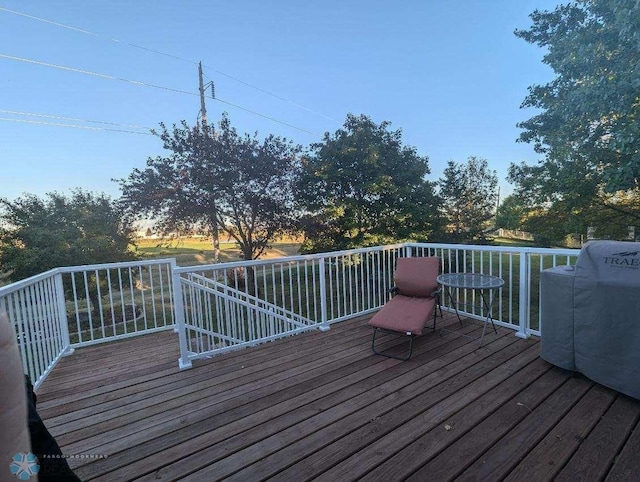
404	314
417	276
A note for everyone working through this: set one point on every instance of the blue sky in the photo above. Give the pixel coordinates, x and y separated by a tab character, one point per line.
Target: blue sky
450	74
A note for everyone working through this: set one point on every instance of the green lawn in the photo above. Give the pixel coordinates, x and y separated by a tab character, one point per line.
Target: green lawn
194	251
515	243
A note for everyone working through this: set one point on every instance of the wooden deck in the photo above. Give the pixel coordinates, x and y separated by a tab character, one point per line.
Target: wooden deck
321	406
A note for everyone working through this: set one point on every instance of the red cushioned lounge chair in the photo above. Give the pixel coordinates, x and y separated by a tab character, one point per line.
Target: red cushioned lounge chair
415	297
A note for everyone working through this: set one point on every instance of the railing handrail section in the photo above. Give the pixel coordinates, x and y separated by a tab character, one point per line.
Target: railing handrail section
328	287
244	299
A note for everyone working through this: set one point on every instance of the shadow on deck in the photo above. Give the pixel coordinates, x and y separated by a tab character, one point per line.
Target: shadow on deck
321	406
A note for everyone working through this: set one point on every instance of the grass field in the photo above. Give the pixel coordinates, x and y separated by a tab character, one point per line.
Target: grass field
194	251
520	243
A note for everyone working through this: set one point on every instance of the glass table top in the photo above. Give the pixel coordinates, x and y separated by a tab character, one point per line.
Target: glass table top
470	280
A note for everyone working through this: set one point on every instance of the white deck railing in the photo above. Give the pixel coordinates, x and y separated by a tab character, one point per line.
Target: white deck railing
517	303
313	290
330	287
231	305
65	308
118	300
36	308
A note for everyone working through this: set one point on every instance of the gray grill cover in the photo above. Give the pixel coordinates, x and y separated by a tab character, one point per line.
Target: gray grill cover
556	315
606	315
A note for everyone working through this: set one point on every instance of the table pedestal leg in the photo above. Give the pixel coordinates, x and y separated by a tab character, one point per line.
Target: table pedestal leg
454	304
487	304
489	318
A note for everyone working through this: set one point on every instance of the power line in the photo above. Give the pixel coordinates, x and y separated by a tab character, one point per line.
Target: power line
269	93
51	116
144	84
48	21
267	117
176	57
75	126
93	34
94	74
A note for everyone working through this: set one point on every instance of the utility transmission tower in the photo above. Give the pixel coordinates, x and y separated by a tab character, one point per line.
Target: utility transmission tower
205	132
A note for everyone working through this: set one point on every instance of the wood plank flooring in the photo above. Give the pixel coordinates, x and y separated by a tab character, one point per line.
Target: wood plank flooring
321	406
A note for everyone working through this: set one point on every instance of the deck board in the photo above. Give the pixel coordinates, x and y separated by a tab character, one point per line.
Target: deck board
596	455
503	456
343	423
407	416
551	454
322	406
441	452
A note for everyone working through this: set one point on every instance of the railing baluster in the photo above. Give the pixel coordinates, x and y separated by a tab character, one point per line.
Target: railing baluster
324	321
133	300
153	297
41	312
305	313
178	301
170	287
142	301
63	322
523	296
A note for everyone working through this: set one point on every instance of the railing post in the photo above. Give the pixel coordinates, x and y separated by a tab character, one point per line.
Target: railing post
324	324
523	296
62	315
178	306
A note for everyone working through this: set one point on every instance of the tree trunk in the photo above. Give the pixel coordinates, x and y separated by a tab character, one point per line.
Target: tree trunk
216	245
251	278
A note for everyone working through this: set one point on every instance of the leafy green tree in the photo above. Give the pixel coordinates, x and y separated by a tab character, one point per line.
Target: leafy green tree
469	194
361	187
38	234
217	179
589	113
511	213
587	125
575	198
548	226
568	202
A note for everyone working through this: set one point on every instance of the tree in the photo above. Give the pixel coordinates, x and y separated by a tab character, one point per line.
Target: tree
361	186
511	213
575	198
611	217
587	125
589	112
38	234
469	194
548	226
218	180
